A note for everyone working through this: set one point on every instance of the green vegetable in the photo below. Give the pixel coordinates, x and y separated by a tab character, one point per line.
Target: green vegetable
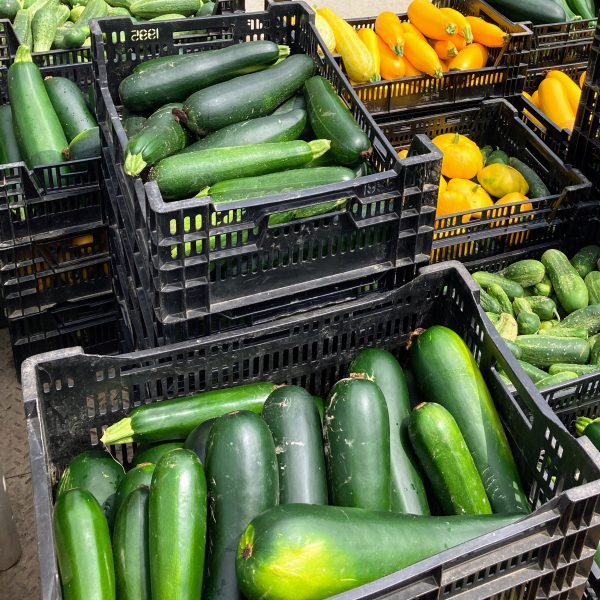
152	454
292	416
9	149
497	156
76	36
566	282
512	288
595	354
543	307
76	12
528	323
544	351
585	8
83	549
133	125
526	272
22	28
147	9
544	287
46	22
537	188
592	282
85	145
9	9
486	152
356	430
590	428
507	327
443	453
539	12
579	370
556	379
555	331
496	292
514	349
175	419
197	440
585	260
139	475
520	305
294	103
534	373
587	318
207	9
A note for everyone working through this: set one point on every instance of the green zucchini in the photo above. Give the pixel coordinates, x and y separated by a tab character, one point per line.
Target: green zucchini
497	157
329	117
175	419
528	323
22	27
534	373
527	272
75	37
556	379
539	12
587	318
544	351
247	96
152	454
356	430
408	493
292	416
590	428
485	280
177	526
147	9
577	332
544	287
9	9
585	8
85	145
130	546
566	281
184	175
9	149
197	440
241	468
273	128
37	128
162	136
46	22
448	374
585	260
83	550
579	370
320	407
294	103
445	458
592	282
347	547
571	16
151	85
133	125
70	106
507	327
98	473
496	292
537	188
139	475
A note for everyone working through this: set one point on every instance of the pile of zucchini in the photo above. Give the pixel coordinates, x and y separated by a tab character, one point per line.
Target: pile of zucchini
47	121
256	489
227	123
62	24
548	312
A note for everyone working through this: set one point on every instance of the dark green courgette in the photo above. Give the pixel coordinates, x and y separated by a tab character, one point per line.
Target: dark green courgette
539	12
133	125
139	475
85	145
537	188
198	439
9	149
152	454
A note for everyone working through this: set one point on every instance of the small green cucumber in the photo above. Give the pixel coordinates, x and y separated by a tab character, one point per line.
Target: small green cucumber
543	307
592	282
489	303
544	287
527	272
580	370
537	188
595	355
520	305
544	351
534	373
497	157
587	318
512	288
585	260
528	323
556	379
514	349
555	331
507	327
566	281
498	293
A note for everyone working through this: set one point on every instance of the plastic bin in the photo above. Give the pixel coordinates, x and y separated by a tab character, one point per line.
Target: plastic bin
203	261
71	397
411	94
497	123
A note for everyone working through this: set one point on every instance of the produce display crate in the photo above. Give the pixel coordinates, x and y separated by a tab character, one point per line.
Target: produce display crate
70	397
204	261
505	78
497	123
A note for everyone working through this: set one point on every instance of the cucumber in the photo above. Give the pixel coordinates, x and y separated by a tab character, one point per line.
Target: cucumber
544	351
571	16
356	430
280	183
536	11
590	428
585	8
151	85
595	354
528	323
592	282
247	96
130	544
526	272
556	379
496	292
493	317
9	9
548	324
521	305
177	526
85	145
76	11
175	419
9	149
534	373
243	482
83	550
585	260
489	303
447	374
198	439
294	103
162	136
46	22
497	157
537	188
168	17
152	454
543	288
60	35
139	475
587	318
274	128
543	307
330	117
22	27
514	349
445	458
207	9
555	331
292	416
184	175
507	327
118	11
133	125
347	547
37	128
566	282
408	493
485	280
579	370
147	9
77	35
98	473
70	106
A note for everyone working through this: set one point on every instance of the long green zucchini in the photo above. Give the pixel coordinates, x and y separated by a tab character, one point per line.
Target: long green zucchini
175	419
197	440
303	552
85	145
153	453
539	12
148	9
139	475
9	149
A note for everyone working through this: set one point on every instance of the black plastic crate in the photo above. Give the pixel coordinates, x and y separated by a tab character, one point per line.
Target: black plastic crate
496	122
504	78
203	261
71	397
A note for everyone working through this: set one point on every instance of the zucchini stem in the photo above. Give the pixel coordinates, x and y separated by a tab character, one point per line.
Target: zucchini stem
120	432
203	192
134	164
319	147
23	54
284	51
581	424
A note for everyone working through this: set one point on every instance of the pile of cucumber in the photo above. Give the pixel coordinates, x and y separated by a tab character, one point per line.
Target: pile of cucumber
548	312
62	24
47	121
254	489
245	121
